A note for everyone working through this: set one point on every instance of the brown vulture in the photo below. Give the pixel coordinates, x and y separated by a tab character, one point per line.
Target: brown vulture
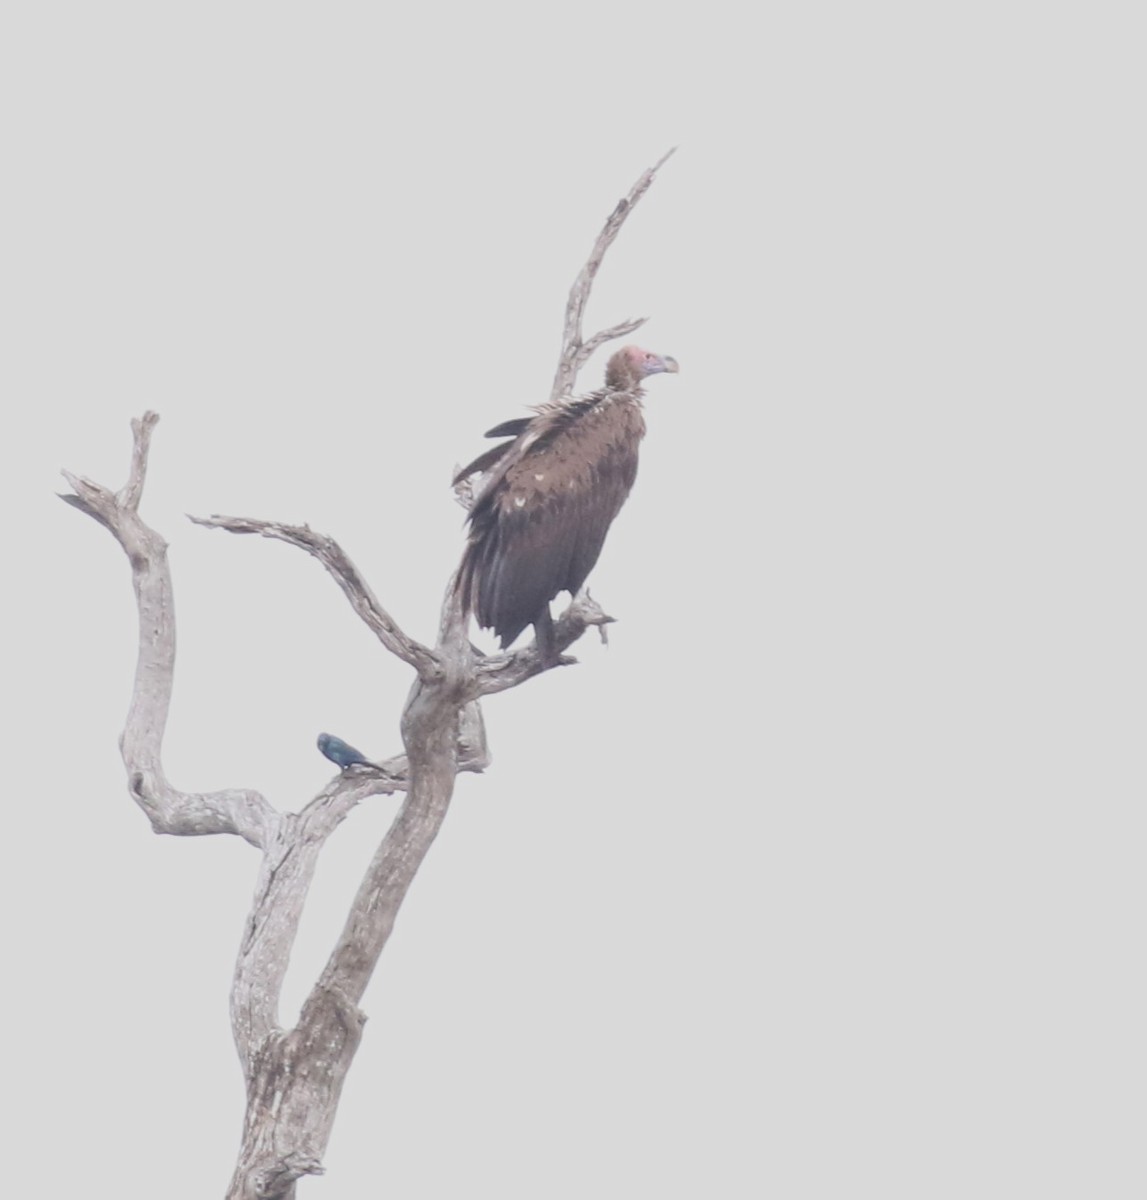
540	516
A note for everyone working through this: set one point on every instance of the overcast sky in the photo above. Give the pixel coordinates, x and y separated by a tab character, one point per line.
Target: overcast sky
825	878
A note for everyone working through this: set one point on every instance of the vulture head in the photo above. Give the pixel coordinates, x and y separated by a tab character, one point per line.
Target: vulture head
630	365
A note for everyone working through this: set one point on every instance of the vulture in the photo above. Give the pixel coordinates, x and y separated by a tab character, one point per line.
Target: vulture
540	516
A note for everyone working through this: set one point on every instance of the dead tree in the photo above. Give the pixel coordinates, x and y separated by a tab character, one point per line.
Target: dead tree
294	1076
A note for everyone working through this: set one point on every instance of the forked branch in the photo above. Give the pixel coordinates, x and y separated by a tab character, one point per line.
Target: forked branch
236	810
576	350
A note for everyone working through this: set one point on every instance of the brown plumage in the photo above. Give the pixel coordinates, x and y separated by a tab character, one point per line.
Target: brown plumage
540	517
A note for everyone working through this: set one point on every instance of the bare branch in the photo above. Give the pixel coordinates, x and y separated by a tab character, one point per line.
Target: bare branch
240	811
292	1097
273	1182
169	810
295	1078
281	892
347	576
288	870
500	672
443	733
390	875
575	350
141	429
473	753
623	329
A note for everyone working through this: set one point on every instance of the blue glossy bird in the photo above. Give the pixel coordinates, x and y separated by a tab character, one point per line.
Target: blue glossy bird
340	753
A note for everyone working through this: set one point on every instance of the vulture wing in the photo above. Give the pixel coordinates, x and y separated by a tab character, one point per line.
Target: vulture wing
510	428
488	458
483	462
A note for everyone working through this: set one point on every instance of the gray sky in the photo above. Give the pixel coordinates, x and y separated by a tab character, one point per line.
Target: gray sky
824	879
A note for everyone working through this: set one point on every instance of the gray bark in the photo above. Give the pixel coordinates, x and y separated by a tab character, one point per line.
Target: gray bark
294	1077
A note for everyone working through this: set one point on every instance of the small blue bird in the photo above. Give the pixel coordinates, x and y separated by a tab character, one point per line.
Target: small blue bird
340	753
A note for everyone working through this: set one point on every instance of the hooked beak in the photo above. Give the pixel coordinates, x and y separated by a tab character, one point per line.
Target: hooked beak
667	364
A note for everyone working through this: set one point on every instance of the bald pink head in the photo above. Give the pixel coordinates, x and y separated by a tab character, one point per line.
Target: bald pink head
630	365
